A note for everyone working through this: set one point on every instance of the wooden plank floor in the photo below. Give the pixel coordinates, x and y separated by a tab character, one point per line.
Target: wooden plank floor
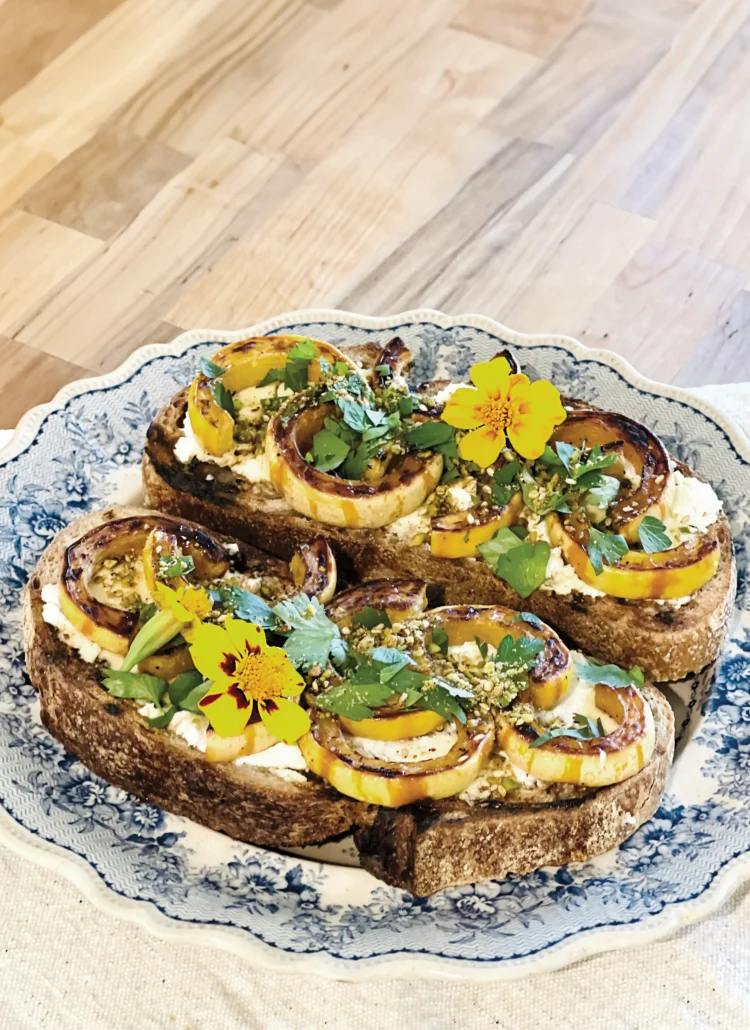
578	166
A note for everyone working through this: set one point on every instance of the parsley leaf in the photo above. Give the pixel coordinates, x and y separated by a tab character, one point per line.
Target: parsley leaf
611	675
600	490
384	370
313	637
171	565
653	535
444	699
406	404
329	450
371	617
584	729
391	657
550	458
521	652
160	721
187	689
294	374
426	436
357	460
440	637
605	547
211	370
596	460
223	398
244	605
135	685
523	565
503	481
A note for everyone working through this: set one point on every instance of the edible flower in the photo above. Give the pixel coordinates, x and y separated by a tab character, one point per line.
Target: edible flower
498	404
189	605
245	670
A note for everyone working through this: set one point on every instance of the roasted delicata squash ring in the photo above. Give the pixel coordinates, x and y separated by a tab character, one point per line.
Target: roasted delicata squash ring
313	570
396	356
246	362
457	536
211	561
634	444
552	675
109	627
399	490
393	784
677	572
253	739
399	599
592	763
392	724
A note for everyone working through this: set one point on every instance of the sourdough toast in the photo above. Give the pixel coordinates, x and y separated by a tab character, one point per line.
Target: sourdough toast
421	848
667	640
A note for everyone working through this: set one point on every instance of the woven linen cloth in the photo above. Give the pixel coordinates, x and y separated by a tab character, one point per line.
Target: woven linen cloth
65	965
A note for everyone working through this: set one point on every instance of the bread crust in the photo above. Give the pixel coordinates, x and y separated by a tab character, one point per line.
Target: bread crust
666	641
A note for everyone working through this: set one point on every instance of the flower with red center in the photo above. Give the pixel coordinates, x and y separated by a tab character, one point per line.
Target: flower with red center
244	671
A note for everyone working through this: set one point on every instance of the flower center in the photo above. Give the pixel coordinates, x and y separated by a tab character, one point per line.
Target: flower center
256	675
196	601
497	414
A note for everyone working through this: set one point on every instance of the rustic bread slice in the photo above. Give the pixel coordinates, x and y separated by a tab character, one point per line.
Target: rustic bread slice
112	740
666	640
421	848
426	847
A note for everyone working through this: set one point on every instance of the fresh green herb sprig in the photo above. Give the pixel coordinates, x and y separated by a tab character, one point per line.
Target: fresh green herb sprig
223	398
210	369
172	565
611	675
370	618
521	563
653	535
583	729
182	694
294	373
605	547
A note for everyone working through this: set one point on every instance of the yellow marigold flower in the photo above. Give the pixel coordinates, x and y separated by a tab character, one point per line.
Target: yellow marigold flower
189	605
498	404
244	671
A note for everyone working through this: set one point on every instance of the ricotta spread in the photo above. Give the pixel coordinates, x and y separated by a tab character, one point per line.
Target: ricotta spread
88	650
579	699
444	395
282	759
694	506
415	749
409	527
560	578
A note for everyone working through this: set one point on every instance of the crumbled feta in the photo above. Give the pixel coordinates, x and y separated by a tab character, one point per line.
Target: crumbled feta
254	470
444	395
467	653
409	527
415	749
461	494
88	650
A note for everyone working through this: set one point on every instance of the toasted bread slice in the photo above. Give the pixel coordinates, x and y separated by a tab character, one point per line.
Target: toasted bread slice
114	741
668	641
422	848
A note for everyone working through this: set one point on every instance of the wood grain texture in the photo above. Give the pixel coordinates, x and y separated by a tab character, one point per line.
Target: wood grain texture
575	166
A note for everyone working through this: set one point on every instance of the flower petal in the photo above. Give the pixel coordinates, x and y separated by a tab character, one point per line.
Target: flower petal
463	409
214	655
536	410
245	636
483	446
167	600
491	376
229	712
285	719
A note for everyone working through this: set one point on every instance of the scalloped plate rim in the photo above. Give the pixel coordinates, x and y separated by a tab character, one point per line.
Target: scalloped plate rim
596	940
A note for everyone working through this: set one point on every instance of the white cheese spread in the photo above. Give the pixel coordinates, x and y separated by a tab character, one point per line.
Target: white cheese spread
282	759
694	506
579	699
249	402
444	395
467	653
414	749
88	650
461	494
560	578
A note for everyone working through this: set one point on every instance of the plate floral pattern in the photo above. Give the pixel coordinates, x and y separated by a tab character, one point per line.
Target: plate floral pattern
283	910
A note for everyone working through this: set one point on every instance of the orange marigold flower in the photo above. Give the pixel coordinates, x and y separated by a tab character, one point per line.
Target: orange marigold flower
502	404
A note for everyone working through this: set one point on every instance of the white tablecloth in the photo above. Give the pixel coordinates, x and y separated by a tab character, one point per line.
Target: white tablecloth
65	965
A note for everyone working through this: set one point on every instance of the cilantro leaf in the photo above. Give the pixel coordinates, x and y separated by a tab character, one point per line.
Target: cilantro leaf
440	637
354	700
653	535
294	373
371	617
442	701
160	721
304	350
596	460
605	547
244	605
211	370
393	660
566	452
427	435
585	729
523	565
353	413
223	398
611	675
329	450
503	481
357	460
550	458
171	565
313	637
135	685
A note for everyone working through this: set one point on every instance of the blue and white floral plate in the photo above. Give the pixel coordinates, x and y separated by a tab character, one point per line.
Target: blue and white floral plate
312	915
